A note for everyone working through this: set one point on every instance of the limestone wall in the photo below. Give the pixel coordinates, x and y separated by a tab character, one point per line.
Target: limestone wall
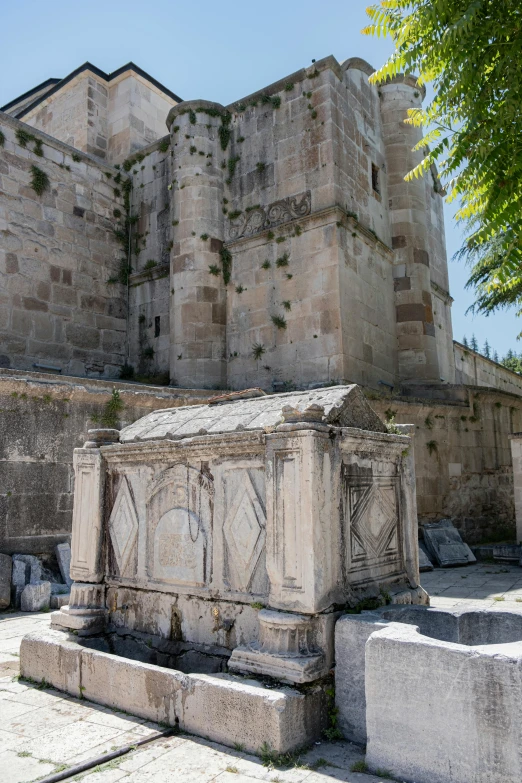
463	459
57	252
150	294
42	419
476	370
107	117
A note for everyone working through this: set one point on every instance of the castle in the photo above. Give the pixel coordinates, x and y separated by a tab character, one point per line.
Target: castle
272	243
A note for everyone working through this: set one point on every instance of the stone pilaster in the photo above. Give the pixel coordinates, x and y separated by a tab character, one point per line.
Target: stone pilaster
198	297
86	611
409	508
417	350
301	560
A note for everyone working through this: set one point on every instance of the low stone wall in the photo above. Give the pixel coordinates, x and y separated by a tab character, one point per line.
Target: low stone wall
462	456
43	418
473	368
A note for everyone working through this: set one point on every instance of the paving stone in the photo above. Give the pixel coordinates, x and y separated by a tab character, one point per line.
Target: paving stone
22	769
6	568
63	555
36	597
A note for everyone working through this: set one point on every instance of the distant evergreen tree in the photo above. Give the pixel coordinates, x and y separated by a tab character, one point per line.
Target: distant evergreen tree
487	350
473	343
465	341
495	357
512	362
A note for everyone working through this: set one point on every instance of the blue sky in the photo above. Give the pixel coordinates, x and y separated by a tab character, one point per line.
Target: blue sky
219	51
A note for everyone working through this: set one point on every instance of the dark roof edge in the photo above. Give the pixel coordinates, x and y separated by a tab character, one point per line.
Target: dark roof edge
130	66
47	83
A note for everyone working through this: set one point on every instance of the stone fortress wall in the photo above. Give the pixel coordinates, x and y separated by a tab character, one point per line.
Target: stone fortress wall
57	252
274	243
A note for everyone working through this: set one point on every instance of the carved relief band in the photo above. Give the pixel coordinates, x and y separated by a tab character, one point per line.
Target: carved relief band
274	214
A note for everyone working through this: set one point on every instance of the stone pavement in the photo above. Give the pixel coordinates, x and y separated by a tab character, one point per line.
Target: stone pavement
483	584
42	730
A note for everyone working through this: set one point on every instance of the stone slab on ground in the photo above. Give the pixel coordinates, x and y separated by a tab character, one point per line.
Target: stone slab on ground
507	553
6	568
445	546
63	555
425	563
19	578
36	597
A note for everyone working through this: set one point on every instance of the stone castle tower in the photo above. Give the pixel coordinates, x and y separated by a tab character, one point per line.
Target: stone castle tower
272	242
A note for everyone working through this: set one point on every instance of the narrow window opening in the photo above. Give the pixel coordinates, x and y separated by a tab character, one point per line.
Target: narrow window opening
375	179
157	327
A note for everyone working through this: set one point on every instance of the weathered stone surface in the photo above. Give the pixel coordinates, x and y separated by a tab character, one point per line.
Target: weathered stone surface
444	543
34	565
223	708
425	563
344	406
465	697
6	569
59	599
36	597
19	578
63	555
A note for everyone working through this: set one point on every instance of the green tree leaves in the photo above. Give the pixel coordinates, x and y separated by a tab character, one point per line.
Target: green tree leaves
471	50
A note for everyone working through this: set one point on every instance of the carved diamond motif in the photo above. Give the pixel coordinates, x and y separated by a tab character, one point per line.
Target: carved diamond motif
244	531
123	525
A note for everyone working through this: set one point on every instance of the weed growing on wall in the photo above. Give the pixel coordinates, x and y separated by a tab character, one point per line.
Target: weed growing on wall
2	139
39	180
279	321
109	417
258	350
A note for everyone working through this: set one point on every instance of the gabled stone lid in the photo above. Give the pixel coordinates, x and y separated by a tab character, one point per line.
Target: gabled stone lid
344	406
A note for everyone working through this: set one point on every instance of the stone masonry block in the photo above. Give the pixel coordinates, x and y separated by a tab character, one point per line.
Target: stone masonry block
36	597
6	566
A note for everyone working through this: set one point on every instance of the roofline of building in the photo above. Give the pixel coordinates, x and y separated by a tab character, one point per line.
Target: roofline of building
481	356
47	83
57	84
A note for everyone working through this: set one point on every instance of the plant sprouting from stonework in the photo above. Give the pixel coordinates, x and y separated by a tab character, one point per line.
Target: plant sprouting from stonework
287	304
226	264
231	165
23	137
109	416
2	139
282	260
279	321
192	117
39	180
239	289
260	167
214	270
428	421
432	447
163	145
258	350
266	264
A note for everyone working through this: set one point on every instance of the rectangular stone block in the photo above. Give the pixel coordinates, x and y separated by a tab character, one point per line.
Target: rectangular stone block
151	692
63	555
19	578
230	711
6	568
53	658
59	600
36	597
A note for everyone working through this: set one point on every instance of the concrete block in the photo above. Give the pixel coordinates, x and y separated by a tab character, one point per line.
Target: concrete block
63	555
6	568
36	597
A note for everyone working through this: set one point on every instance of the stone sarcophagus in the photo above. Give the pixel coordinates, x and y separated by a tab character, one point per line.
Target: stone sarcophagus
240	528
